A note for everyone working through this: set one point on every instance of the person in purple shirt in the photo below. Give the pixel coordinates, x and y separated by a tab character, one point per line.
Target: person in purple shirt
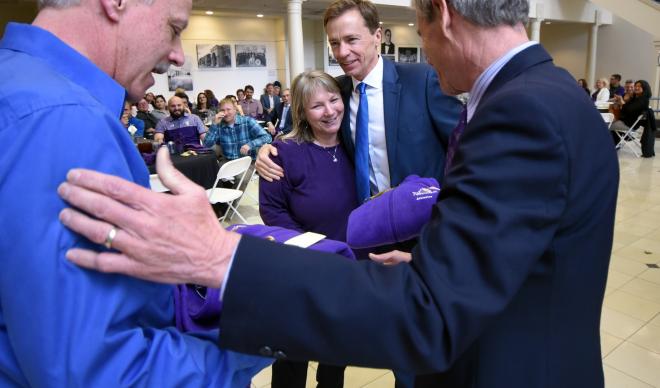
318	192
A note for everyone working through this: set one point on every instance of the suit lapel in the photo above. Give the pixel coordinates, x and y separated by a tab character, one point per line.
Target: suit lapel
391	95
346	86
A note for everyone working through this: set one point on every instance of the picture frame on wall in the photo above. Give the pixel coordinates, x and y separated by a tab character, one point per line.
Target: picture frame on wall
408	54
180	76
250	55
213	56
331	58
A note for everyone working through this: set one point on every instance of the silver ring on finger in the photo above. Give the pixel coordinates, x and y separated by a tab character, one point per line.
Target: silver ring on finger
110	238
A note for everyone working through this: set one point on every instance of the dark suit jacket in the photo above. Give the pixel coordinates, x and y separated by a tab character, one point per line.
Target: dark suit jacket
506	285
265	103
418	120
278	116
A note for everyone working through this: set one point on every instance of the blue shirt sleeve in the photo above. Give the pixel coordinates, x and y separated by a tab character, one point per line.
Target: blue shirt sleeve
61	325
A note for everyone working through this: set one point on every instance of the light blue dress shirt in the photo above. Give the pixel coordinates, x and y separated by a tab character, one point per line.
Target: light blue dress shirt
60	325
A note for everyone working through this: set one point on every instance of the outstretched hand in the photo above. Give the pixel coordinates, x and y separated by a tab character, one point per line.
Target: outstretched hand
160	237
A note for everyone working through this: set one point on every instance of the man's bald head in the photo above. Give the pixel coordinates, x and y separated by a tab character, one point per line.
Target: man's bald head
176	107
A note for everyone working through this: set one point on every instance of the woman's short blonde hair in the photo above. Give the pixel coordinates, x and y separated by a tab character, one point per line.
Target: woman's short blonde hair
605	83
302	89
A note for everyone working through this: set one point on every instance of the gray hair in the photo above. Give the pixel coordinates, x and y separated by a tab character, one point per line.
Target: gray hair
484	13
57	3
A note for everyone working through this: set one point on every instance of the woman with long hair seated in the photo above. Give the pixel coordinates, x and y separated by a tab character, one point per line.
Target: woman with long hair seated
318	191
631	109
203	109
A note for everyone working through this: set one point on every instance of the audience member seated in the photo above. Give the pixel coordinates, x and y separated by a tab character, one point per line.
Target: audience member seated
181	93
277	88
236	135
240	94
212	101
615	86
316	195
269	101
202	109
150	121
583	84
601	93
160	108
127	120
630	110
251	107
178	119
151	98
282	120
238	107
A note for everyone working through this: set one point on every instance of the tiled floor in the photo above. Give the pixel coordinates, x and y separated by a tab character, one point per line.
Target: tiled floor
630	328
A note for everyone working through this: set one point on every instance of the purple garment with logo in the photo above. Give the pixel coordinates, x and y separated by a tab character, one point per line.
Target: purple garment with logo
395	215
198	308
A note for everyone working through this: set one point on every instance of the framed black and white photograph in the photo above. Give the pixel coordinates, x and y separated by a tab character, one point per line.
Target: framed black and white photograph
180	77
213	56
250	55
331	58
408	54
387	47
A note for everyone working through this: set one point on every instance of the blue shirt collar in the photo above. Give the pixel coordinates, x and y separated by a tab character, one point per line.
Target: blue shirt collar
42	44
484	80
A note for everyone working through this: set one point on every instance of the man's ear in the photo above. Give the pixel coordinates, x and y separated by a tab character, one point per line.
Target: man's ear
443	14
113	8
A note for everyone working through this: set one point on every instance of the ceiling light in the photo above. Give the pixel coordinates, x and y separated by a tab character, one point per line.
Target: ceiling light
411	24
209	12
260	15
548	22
380	22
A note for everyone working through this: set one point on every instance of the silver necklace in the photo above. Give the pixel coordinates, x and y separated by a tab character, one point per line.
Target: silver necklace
334	154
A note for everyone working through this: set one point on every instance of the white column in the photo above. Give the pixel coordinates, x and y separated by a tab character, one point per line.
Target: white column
536	29
296	56
656	83
593	46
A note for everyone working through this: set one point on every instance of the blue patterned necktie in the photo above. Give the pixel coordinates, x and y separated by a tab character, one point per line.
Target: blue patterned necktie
362	146
453	139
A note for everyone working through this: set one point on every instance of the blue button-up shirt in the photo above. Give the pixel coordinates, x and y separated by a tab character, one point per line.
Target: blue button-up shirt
231	138
61	325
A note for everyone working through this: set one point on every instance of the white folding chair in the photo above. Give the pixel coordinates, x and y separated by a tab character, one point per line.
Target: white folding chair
628	137
156	184
231	197
608	118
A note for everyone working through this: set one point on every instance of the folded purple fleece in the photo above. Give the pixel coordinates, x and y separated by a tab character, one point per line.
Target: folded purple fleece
394	215
198	308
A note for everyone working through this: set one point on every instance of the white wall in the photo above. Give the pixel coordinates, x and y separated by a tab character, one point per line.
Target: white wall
204	29
622	48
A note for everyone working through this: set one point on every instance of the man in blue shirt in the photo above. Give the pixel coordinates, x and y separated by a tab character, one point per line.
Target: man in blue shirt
237	135
61	326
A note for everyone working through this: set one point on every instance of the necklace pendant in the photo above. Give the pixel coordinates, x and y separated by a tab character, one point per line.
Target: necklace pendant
334	159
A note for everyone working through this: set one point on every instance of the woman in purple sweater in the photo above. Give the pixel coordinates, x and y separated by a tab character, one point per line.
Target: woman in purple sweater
317	193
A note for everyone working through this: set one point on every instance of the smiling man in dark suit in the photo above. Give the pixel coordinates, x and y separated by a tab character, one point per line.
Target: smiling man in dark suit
409	118
505	287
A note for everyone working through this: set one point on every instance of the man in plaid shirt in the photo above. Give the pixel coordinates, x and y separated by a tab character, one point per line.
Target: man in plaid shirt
237	135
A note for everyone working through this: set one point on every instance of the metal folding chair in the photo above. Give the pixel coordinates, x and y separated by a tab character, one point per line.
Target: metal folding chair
628	138
231	197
